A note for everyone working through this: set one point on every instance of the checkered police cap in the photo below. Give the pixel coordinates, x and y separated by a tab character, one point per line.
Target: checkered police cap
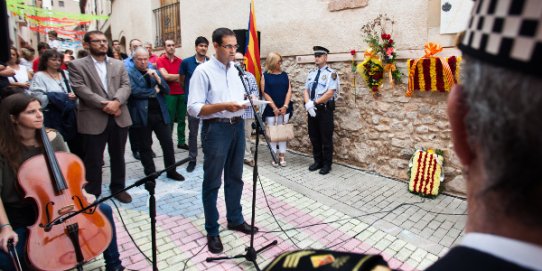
506	33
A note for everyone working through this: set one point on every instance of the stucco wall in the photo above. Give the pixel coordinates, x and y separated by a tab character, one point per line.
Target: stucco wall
132	19
293	27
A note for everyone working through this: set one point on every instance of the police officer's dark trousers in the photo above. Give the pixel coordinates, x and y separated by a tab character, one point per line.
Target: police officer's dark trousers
321	135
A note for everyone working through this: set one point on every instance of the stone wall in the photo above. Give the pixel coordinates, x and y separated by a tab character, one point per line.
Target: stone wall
379	134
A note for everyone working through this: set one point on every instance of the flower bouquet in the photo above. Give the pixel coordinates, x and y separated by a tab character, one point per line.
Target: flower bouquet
371	71
381	42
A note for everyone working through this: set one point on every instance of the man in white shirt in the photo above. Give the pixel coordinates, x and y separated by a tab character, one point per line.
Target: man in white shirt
216	96
495	117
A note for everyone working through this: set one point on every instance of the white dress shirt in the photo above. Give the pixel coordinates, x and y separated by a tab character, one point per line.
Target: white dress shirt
101	68
211	83
515	251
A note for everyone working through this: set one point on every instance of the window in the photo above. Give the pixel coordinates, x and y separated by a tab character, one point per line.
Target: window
168	24
61	3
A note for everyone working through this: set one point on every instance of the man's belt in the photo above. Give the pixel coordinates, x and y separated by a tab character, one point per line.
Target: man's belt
233	120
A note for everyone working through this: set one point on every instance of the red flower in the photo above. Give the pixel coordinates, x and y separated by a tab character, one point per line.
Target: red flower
353	52
384	36
390	41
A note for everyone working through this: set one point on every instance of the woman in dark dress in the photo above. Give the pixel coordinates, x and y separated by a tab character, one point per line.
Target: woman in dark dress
277	90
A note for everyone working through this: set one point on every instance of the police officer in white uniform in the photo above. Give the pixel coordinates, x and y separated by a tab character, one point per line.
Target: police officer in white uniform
319	95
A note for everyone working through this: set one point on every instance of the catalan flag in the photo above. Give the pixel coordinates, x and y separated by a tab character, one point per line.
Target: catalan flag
252	49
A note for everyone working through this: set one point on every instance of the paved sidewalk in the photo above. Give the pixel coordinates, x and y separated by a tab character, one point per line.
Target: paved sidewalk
347	209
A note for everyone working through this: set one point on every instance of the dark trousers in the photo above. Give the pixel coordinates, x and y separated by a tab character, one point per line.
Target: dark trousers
155	123
193	127
115	138
321	136
223	147
77	145
133	139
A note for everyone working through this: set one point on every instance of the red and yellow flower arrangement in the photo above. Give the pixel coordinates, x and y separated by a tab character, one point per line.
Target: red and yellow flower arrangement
425	172
371	70
431	72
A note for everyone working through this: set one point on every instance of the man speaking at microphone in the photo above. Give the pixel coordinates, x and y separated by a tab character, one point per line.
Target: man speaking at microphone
149	113
216	96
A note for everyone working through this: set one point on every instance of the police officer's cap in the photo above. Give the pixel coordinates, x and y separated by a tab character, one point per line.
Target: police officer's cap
319	50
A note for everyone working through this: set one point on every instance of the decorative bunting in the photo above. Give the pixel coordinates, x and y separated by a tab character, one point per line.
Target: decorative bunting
43	20
19	8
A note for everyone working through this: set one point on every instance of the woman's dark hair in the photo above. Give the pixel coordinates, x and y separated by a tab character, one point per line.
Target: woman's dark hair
17	60
11	146
48	54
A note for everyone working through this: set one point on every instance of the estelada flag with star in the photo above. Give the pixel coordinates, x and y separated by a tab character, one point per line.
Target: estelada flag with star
252	50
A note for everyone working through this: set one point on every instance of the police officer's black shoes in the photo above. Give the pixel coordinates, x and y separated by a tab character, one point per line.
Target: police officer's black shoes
325	170
315	166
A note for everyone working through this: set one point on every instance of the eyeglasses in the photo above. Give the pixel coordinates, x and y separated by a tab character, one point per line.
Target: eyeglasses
98	41
229	46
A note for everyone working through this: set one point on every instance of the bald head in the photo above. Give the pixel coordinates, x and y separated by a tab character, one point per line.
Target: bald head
141	58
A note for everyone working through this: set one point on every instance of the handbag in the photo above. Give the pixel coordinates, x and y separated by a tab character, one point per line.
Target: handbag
280	132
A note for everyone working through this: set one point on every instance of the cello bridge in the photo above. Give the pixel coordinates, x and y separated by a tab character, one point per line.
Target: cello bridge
66	209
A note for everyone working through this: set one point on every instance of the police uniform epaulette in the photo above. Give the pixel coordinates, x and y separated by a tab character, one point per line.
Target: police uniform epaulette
333	73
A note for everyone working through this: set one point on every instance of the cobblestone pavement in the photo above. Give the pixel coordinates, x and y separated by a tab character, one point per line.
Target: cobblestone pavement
348	209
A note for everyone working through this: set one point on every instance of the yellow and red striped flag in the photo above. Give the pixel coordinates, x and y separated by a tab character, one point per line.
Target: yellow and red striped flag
252	49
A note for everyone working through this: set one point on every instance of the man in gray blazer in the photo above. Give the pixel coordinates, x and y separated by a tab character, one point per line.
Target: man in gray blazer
103	88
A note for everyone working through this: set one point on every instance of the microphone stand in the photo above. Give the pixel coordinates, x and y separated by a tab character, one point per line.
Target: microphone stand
150	184
251	253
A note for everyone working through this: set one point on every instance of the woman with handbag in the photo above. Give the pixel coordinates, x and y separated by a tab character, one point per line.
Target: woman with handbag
276	89
20	82
51	86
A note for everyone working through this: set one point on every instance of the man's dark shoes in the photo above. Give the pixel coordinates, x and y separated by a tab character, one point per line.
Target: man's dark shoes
182	146
325	170
175	176
191	166
214	244
136	155
315	166
244	228
123	197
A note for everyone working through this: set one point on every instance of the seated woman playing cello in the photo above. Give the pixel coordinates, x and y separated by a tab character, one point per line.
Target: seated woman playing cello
22	120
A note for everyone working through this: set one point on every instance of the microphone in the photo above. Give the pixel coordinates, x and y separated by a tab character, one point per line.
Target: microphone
238	67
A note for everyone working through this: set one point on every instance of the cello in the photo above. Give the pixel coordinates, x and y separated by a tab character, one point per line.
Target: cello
55	182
